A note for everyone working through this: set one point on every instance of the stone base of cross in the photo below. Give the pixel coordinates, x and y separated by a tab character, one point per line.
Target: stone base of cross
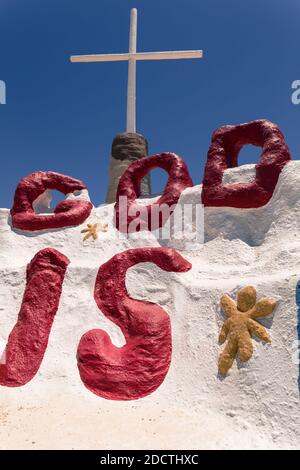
132	56
126	148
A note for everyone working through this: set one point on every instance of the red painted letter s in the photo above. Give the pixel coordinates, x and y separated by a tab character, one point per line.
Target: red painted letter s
140	366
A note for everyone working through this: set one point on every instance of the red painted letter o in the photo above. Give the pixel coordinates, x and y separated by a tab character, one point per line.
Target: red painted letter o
226	143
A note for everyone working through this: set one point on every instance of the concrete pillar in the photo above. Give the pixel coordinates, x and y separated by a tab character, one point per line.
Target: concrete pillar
126	148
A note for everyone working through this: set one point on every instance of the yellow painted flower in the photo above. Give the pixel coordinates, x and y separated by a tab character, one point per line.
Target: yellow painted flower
241	325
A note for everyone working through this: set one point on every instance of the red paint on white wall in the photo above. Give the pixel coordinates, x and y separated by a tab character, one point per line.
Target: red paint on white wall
223	153
140	366
67	213
28	340
130	186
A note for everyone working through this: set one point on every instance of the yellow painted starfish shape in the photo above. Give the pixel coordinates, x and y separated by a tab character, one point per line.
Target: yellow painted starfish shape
93	229
241	325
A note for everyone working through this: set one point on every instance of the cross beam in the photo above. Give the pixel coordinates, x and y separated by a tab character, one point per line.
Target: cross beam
132	56
138	56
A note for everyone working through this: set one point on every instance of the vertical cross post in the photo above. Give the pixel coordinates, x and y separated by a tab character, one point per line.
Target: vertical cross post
131	86
130	146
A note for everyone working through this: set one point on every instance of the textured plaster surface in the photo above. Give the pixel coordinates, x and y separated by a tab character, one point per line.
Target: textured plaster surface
255	406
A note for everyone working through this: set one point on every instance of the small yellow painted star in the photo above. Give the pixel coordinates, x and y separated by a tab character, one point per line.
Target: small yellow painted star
93	229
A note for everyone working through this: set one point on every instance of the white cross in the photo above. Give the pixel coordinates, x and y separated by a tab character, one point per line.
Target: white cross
132	56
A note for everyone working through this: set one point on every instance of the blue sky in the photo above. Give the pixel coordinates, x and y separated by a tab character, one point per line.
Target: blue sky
62	117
